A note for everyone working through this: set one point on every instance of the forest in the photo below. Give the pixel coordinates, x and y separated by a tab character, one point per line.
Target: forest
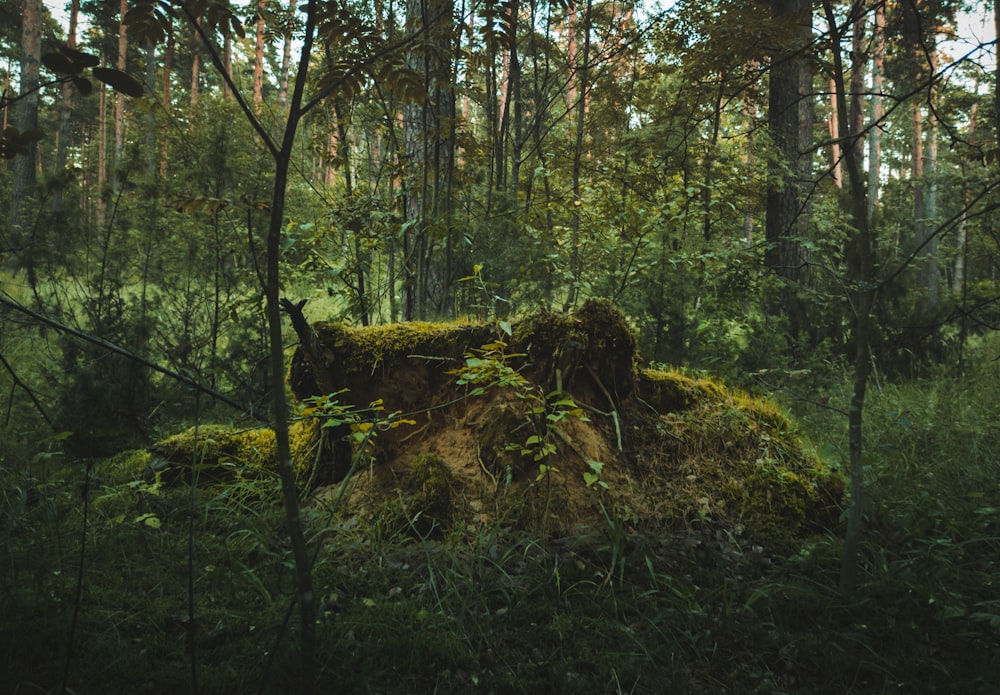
500	346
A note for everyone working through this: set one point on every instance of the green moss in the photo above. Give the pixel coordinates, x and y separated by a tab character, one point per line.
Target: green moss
670	391
222	453
422	505
739	460
125	466
429	482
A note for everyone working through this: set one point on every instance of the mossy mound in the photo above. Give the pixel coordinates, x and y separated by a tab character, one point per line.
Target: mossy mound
732	459
547	424
571	434
217	453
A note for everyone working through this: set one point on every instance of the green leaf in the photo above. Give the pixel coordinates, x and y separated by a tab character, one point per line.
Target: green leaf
120	81
150	520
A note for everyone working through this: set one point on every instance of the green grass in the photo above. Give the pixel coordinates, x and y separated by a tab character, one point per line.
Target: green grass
496	611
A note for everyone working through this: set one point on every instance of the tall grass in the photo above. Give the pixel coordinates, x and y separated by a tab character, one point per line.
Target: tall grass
488	609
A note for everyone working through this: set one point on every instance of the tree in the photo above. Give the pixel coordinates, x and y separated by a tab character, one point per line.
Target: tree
23	180
790	171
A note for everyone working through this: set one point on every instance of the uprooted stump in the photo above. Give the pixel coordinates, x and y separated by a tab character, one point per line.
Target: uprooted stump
573	435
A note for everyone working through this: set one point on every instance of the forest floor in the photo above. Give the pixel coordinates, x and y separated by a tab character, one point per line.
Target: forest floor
510	523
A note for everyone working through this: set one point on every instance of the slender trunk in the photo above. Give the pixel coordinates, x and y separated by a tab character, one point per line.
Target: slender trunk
708	166
514	104
168	63
195	68
258	58
996	72
119	97
286	58
227	59
24	167
102	153
581	114
836	166
149	136
861	295
877	111
65	112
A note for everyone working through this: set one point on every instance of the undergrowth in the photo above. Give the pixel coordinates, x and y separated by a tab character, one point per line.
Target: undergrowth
199	601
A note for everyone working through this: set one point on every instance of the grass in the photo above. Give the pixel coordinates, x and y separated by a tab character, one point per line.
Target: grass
200	599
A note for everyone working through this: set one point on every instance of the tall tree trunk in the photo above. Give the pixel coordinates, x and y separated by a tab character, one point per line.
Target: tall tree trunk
996	73
836	165
877	111
102	153
258	58
429	150
120	63
24	174
789	176
286	56
195	67
227	59
168	63
65	112
583	73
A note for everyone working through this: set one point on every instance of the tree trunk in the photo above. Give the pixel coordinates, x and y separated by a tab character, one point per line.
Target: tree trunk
429	150
581	118
65	112
168	62
877	111
286	57
120	97
258	58
195	67
861	297
24	174
790	124
836	166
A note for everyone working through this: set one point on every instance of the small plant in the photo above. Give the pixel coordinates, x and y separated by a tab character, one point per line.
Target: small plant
489	367
593	476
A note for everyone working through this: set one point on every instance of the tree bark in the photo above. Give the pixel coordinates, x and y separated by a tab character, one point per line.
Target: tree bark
429	149
258	58
65	112
24	174
790	123
120	63
861	296
583	73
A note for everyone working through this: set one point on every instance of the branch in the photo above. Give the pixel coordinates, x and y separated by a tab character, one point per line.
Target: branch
27	390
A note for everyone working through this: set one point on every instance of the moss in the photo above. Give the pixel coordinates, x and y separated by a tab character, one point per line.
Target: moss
738	460
423	503
670	391
591	352
223	453
126	466
429	482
